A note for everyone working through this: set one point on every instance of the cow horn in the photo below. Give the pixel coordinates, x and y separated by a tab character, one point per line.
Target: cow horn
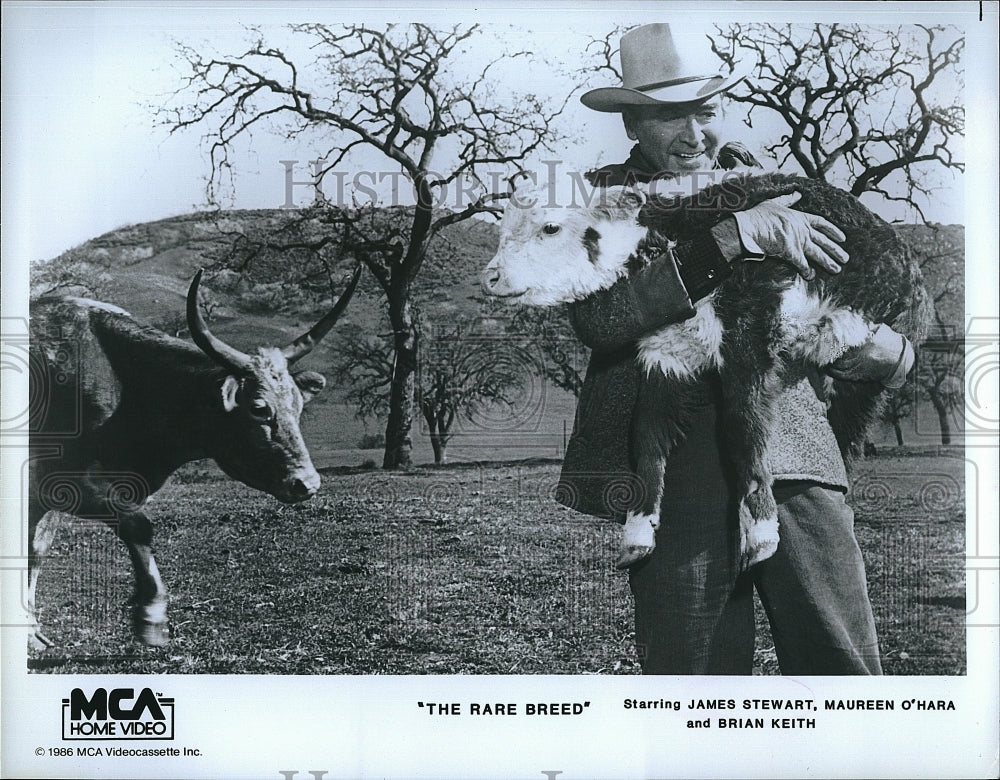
304	344
223	354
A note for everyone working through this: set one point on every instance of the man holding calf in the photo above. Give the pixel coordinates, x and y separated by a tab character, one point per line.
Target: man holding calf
694	608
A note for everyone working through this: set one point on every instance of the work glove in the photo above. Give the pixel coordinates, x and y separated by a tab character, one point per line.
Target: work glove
772	229
886	357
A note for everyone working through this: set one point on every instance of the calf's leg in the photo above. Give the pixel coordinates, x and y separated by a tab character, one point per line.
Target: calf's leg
748	397
657	427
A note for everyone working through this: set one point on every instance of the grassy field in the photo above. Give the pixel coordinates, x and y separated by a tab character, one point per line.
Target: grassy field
469	569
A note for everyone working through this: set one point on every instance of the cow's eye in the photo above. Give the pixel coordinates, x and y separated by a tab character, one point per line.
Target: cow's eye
260	409
551	228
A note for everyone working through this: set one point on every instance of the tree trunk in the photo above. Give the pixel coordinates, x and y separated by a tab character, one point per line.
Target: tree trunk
398	444
899	433
440	446
942	412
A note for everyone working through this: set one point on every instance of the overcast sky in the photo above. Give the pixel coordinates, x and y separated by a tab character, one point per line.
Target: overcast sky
81	153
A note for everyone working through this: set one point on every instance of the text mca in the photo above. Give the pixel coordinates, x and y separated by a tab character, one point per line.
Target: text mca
118	713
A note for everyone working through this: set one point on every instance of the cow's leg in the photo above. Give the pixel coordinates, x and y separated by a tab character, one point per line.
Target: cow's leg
42	527
657	426
149	602
105	502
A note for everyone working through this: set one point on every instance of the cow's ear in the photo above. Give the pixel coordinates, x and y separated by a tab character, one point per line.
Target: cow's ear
310	383
229	388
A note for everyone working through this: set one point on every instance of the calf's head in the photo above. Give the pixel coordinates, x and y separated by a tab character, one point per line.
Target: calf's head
557	254
256	437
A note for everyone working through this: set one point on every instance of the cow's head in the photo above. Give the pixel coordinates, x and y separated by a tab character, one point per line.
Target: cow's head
257	439
557	254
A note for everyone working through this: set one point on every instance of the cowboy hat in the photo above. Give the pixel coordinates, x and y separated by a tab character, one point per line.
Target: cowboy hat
656	70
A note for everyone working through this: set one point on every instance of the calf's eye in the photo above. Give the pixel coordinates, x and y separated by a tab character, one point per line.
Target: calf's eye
551	228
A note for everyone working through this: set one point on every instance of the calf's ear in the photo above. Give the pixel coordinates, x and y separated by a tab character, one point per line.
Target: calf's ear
309	383
621	202
229	388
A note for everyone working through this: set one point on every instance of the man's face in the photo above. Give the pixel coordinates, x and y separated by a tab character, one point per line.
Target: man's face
676	138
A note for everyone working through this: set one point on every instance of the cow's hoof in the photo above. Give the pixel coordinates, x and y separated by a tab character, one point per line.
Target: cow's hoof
632	555
152	634
150	625
38	641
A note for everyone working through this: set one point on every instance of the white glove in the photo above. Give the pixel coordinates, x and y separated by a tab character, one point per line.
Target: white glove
772	229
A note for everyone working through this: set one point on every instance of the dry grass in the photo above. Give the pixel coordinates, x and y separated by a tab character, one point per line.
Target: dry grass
463	570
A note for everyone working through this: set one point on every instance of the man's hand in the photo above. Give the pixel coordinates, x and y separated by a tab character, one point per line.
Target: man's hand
772	228
886	357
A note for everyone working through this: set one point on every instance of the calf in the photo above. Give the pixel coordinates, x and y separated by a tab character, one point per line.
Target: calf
760	318
117	407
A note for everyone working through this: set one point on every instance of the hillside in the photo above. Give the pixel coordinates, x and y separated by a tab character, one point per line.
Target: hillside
942	252
147	268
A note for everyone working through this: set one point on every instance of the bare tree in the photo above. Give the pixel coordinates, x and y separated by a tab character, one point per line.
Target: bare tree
940	370
389	91
565	358
939	373
463	374
939	376
460	375
363	364
899	408
873	110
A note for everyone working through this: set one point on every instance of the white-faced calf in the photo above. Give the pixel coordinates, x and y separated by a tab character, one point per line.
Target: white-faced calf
760	317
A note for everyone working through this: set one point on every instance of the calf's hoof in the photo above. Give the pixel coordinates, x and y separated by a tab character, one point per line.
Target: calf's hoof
638	539
761	543
631	555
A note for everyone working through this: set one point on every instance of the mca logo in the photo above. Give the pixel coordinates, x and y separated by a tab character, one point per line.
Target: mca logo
119	713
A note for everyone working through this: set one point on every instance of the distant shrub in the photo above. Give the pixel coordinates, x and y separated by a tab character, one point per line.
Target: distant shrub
264	298
226	280
198	472
372	441
368	464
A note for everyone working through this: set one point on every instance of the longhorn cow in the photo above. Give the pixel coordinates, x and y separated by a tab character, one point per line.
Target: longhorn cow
117	407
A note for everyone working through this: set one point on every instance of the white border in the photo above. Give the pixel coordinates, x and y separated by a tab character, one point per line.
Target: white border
371	726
